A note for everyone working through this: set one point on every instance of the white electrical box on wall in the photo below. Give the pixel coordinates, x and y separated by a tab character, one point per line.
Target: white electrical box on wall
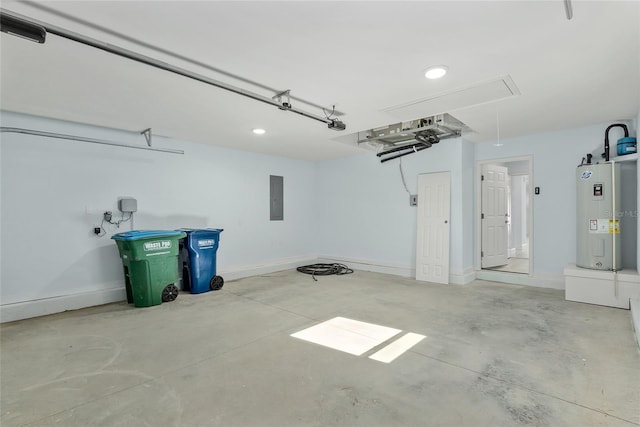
128	205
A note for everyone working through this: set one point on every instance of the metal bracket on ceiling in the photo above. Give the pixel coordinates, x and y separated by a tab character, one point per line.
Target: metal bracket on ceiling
147	135
568	9
286	105
331	114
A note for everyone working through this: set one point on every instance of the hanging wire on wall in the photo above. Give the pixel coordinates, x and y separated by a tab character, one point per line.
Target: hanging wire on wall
497	143
404	182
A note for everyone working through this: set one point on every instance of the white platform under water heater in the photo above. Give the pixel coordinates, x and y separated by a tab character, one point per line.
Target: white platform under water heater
598	226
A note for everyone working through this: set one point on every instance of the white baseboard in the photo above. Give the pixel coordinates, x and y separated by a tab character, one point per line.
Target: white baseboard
374	266
464	278
553	281
28	309
42	307
242	271
635	318
455	278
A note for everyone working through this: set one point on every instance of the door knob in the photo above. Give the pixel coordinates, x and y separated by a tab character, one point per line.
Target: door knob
446	222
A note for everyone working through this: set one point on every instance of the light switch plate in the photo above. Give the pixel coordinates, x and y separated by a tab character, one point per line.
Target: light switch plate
413	200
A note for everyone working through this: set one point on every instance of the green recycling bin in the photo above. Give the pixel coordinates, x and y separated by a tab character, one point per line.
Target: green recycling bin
150	262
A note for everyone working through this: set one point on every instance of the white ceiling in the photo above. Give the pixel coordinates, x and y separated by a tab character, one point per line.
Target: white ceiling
362	56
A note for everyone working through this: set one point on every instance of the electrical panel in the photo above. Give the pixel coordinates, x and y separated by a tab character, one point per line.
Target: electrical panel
276	197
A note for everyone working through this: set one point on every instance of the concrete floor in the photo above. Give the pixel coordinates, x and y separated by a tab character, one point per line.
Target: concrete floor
495	355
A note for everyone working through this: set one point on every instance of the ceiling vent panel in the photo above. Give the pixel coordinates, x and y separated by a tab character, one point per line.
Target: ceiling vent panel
489	91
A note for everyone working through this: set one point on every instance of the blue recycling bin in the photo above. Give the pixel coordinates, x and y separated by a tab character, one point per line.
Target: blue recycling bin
199	260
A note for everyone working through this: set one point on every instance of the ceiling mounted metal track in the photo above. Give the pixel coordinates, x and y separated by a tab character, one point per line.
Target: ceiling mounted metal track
12	21
107	30
91	140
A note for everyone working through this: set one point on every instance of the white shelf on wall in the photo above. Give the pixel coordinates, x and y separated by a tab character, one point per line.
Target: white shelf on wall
625	158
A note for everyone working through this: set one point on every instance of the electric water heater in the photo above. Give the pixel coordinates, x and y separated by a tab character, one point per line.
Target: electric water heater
598	230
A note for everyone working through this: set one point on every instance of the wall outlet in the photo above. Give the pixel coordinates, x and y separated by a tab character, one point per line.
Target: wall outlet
413	200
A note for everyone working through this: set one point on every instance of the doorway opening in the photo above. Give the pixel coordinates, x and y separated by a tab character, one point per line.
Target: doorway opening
505	211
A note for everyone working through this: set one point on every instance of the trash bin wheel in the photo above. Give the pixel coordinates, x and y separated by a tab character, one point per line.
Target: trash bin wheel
169	293
216	283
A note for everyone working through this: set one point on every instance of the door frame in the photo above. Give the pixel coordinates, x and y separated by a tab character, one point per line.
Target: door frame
478	209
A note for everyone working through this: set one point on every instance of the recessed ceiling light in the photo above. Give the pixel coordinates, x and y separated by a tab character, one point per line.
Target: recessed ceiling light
435	72
258	131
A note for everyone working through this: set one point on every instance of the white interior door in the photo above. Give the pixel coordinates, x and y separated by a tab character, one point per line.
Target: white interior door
432	255
495	216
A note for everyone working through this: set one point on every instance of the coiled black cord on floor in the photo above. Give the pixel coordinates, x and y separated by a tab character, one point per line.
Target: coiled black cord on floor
324	269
